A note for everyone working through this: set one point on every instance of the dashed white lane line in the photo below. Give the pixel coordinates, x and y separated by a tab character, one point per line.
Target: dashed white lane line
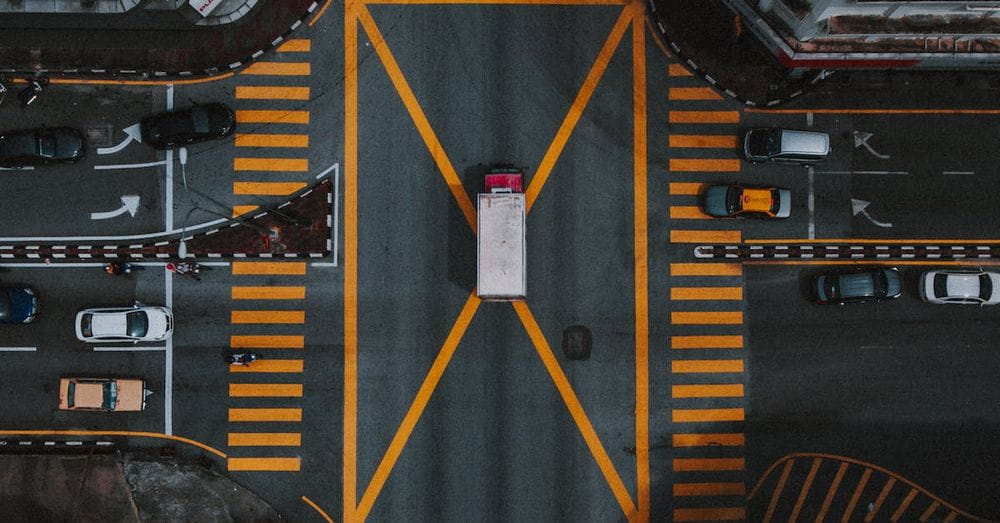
18	349
812	204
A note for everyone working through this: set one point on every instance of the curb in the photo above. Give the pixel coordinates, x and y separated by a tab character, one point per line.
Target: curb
135	74
893	252
690	64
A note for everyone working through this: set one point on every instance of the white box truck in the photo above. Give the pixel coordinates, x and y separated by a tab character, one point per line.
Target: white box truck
500	243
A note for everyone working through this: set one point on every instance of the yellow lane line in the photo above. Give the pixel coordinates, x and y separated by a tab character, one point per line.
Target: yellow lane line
709	440
733	390
263	464
692	93
905	504
266	342
849	511
267	188
419	118
240	210
710	514
831	492
707	464
675	69
319	14
308	501
271	140
709	489
296	45
706	269
702	165
271	164
870	516
706	366
260	92
686	189
265	390
705	141
349	486
682	236
875	111
253	415
265	116
278	69
296	292
265	439
687	212
576	109
269	268
706	293
706	342
269	365
706	318
271	316
703	117
417	407
776	495
70	81
572	402
804	491
125	433
640	234
706	415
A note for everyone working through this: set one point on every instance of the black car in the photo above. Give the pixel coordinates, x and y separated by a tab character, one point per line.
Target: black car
31	147
858	286
186	126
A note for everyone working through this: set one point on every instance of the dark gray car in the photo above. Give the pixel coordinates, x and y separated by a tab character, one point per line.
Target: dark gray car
858	286
41	146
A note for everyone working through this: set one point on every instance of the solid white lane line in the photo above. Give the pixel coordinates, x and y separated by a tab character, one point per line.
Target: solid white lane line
108	239
18	349
130	348
168	360
812	204
128	165
862	172
322	264
957	172
168	204
327	170
336	213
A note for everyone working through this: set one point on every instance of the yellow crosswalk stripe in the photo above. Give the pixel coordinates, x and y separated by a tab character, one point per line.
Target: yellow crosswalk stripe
706	415
272	140
706	269
265	439
266	342
240	210
686	188
269	365
266	116
267	188
687	212
272	316
271	92
252	415
708	464
676	69
708	237
706	342
295	45
706	293
709	440
706	318
706	366
710	489
704	165
265	390
278	69
292	292
710	514
710	141
692	93
271	164
264	464
732	390
703	116
268	268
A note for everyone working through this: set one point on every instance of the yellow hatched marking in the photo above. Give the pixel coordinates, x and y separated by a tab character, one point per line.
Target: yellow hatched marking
776	495
849	511
269	365
930	511
272	140
870	516
260	116
290	415
271	92
706	293
709	440
678	236
901	509
704	165
268	293
734	390
706	415
686	189
706	342
265	439
707	318
278	69
804	491
264	464
268	317
706	141
821	517
705	366
703	116
707	464
710	514
265	390
709	489
687	212
706	269
267	188
271	164
240	210
692	93
269	268
266	342
678	70
295	45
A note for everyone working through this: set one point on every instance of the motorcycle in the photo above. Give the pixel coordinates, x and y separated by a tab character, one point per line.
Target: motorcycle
242	358
30	93
117	268
185	268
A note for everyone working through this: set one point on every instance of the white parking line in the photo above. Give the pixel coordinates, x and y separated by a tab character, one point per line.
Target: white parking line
128	165
18	349
130	348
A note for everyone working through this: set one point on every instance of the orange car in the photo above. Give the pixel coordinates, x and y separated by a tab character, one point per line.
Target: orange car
102	394
736	201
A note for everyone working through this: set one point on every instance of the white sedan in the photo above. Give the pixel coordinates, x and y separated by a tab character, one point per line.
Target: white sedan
120	324
975	287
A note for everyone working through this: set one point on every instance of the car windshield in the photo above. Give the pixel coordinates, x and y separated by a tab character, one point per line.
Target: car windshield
46	146
85	324
5	306
771	141
985	286
172	124
775	202
137	324
880	282
940	285
733	195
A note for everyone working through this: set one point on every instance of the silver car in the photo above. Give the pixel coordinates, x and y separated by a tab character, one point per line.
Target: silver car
964	287
773	144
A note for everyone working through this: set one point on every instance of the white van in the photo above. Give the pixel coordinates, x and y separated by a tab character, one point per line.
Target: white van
773	144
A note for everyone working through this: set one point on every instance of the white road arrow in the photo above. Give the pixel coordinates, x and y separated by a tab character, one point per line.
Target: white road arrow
132	133
861	138
130	204
858	206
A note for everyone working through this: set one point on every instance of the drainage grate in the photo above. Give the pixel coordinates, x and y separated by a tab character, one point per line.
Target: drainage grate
99	135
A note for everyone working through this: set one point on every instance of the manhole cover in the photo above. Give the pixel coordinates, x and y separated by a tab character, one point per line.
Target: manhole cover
99	135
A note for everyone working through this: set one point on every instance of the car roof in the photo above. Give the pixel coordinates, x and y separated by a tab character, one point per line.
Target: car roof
756	200
809	142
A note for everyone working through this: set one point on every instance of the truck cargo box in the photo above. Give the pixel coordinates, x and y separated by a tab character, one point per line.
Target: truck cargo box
501	256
